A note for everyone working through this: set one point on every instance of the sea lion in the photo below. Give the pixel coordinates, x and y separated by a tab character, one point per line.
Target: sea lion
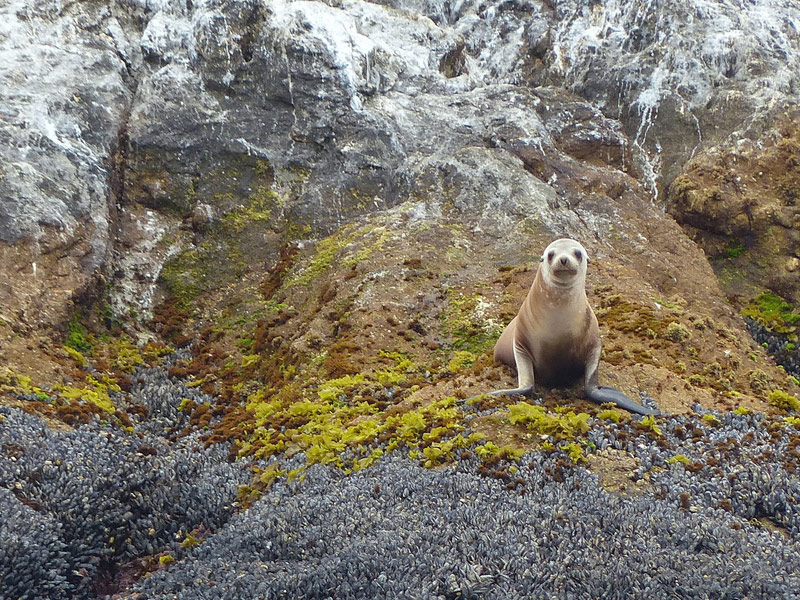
555	339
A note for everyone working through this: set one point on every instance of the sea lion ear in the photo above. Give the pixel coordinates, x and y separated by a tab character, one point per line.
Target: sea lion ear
588	260
541	259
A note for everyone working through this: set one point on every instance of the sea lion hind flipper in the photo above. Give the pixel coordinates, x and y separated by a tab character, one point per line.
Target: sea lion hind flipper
603	393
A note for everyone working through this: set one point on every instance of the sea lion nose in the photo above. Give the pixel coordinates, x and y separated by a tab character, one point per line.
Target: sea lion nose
563	260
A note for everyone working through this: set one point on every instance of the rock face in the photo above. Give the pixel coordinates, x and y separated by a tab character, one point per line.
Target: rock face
66	80
130	128
680	76
739	201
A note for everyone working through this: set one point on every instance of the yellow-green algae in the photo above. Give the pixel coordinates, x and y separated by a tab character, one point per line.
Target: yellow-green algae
90	395
774	313
537	418
337	422
96	392
349	246
126	355
783	401
609	414
649	422
563	429
462	359
792	421
79	358
324	429
18	383
574	452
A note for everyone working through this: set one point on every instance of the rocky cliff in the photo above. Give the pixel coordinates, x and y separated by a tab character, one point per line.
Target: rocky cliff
332	208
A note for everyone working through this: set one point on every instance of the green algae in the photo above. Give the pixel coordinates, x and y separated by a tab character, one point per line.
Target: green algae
462	360
333	425
226	249
574	452
259	209
676	307
774	313
489	451
78	336
18	383
79	358
465	318
347	247
125	354
249	360
649	423
95	392
734	249
441	452
336	389
609	414
190	541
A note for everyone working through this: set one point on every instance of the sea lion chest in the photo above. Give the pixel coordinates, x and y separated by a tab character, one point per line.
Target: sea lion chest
558	343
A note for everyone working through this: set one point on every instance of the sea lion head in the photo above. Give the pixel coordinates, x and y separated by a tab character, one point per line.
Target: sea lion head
563	263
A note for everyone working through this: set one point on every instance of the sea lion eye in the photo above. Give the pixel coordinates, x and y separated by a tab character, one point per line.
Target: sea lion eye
578	255
550	255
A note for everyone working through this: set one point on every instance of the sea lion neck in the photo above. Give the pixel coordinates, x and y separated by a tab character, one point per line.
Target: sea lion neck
555	294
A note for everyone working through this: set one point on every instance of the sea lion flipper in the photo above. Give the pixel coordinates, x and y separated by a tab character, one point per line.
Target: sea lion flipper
602	393
526	391
524	365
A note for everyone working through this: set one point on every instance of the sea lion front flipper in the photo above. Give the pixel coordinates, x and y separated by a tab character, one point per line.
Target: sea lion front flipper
516	391
524	364
602	393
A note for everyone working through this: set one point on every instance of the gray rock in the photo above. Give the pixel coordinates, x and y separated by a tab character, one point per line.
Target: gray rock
344	108
66	81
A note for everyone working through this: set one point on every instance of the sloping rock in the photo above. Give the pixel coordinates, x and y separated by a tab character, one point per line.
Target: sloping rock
340	109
